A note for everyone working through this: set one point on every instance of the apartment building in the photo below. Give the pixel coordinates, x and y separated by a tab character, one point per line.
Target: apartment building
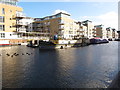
118	34
100	31
114	34
90	28
9	14
109	32
23	24
82	32
60	24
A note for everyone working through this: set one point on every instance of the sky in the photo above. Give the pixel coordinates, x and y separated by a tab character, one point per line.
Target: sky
105	13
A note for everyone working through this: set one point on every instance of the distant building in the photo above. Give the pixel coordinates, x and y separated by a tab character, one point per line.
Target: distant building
109	33
100	31
59	24
82	32
118	34
114	34
90	28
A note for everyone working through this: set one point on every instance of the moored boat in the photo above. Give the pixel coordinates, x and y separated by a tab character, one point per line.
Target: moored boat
4	43
98	41
56	44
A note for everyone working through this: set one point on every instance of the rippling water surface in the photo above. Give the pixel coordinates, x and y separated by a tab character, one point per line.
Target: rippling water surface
93	66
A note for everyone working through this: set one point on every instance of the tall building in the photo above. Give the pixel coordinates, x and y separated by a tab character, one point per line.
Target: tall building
114	33
8	18
118	34
90	28
82	32
59	24
12	21
109	32
100	31
119	16
23	25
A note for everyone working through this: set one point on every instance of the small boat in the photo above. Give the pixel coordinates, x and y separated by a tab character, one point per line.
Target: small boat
98	41
104	41
4	43
33	45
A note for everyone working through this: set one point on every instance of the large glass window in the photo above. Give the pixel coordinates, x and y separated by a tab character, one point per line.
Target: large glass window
3	11
2	35
2	28
2	19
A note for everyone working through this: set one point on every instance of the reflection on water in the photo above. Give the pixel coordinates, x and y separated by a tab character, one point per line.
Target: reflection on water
85	67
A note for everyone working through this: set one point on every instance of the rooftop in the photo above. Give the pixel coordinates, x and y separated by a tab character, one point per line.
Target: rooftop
9	2
53	16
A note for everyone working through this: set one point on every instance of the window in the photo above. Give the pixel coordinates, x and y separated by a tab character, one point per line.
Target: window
2	35
10	11
26	23
3	11
2	19
2	27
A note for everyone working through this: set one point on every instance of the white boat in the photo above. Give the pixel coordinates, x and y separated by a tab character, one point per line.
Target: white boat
4	43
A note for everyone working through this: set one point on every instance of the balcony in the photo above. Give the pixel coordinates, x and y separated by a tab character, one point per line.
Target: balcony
14	31
47	24
39	25
21	24
13	25
61	23
61	28
20	15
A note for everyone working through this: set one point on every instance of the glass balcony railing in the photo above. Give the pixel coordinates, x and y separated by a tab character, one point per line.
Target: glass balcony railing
61	28
61	23
20	15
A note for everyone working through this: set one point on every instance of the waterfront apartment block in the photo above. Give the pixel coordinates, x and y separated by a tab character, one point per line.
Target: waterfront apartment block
59	24
105	33
111	33
23	24
12	21
17	28
8	11
82	32
90	27
100	31
118	34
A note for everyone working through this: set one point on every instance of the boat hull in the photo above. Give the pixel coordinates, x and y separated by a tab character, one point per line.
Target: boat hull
98	41
56	46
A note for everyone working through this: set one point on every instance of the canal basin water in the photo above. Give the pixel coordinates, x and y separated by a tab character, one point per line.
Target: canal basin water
93	66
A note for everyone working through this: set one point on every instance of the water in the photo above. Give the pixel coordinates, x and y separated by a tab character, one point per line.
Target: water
93	66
